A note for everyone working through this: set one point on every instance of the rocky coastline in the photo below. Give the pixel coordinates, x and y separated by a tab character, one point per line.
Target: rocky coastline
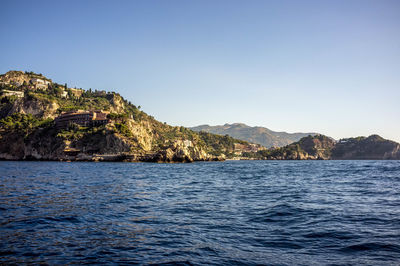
43	120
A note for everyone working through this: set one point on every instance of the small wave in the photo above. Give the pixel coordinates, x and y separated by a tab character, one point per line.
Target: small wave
372	246
279	244
280	213
333	235
7	253
174	262
30	254
71	219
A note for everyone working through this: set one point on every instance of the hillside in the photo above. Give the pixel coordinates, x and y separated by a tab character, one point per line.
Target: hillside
31	103
44	120
320	147
259	135
366	148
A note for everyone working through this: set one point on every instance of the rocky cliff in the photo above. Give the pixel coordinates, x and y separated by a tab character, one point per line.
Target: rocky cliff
29	103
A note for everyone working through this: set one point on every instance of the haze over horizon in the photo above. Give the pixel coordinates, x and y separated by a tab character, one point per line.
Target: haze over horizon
331	67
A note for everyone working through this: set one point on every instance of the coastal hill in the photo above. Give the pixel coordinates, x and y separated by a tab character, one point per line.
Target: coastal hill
44	120
366	148
320	147
259	135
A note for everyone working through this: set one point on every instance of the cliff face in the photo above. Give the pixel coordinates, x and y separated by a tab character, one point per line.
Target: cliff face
38	108
48	144
100	143
29	103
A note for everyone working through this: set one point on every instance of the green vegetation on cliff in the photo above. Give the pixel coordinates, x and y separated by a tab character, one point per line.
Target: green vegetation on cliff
23	123
30	102
364	148
218	144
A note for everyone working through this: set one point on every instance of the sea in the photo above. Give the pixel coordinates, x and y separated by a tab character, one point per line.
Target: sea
204	213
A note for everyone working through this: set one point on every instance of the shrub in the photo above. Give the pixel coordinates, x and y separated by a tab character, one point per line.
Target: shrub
123	129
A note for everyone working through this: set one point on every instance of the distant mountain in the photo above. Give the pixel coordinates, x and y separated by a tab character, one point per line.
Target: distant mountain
259	135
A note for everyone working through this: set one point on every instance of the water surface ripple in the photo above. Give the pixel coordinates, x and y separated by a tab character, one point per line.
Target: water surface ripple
246	212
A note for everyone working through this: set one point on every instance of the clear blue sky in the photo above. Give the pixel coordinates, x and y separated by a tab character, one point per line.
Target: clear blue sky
324	66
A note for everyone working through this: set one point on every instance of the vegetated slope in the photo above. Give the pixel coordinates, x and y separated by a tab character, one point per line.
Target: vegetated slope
320	147
366	148
29	102
259	135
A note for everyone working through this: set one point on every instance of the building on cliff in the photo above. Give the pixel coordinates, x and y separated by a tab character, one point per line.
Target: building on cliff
40	83
82	118
76	92
239	148
19	94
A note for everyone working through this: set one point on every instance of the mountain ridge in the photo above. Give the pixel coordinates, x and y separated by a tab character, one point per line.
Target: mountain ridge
257	134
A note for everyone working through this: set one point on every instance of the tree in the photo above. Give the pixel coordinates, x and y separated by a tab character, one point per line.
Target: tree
70	95
58	91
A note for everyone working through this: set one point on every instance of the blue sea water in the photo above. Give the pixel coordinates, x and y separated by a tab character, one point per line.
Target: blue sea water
222	213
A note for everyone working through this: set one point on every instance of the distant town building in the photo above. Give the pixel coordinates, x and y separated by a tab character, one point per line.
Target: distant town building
19	94
100	93
82	118
251	147
64	94
76	92
40	83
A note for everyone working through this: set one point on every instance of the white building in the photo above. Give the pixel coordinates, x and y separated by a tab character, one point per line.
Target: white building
40	81
19	94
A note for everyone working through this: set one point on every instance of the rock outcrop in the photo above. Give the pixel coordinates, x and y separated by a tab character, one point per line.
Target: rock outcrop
38	108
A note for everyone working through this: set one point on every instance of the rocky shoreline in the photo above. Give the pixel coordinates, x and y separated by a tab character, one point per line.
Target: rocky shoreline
43	120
